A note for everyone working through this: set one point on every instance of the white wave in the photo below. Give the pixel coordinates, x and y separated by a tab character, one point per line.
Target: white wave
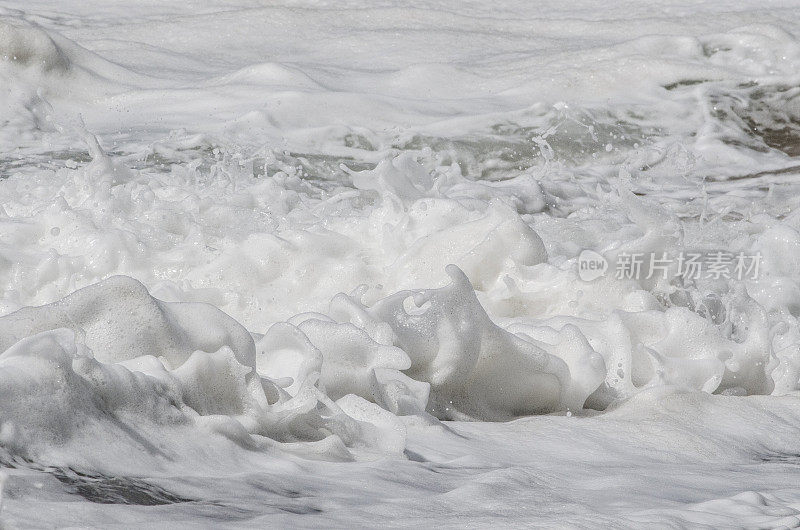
259	261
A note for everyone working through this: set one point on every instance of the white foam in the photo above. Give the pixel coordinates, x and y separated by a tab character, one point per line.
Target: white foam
293	233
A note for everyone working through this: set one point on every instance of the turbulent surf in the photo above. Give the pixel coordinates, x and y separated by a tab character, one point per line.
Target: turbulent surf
457	264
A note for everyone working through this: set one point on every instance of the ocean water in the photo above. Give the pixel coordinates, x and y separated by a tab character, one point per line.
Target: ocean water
359	264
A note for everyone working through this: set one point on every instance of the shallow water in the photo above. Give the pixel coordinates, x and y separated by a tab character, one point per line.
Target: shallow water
309	265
